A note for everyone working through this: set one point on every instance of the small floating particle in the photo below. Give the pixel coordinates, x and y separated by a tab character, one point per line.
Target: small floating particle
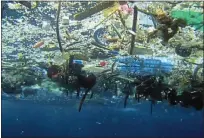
22	132
98	123
18	96
131	32
38	44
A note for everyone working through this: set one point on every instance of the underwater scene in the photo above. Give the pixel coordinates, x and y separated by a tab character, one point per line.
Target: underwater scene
102	69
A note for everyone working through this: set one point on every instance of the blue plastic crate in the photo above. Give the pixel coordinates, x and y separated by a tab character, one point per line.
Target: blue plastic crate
143	66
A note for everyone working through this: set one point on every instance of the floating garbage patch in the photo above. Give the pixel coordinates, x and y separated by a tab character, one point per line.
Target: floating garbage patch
130	49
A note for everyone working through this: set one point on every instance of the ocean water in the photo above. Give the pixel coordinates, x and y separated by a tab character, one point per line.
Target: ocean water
29	118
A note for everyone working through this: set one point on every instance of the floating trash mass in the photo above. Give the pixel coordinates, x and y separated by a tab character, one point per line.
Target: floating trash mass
135	50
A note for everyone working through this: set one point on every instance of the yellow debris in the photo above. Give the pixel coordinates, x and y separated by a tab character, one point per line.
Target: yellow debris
111	10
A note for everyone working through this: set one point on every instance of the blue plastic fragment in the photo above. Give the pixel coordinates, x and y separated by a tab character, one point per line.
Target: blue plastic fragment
113	52
78	62
98	36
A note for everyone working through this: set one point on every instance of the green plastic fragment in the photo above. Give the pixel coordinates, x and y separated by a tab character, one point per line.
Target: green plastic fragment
194	19
20	56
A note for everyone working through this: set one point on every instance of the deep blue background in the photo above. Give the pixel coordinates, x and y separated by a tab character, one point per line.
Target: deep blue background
30	118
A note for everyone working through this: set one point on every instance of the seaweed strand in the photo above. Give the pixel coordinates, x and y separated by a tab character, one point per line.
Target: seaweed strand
57	26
